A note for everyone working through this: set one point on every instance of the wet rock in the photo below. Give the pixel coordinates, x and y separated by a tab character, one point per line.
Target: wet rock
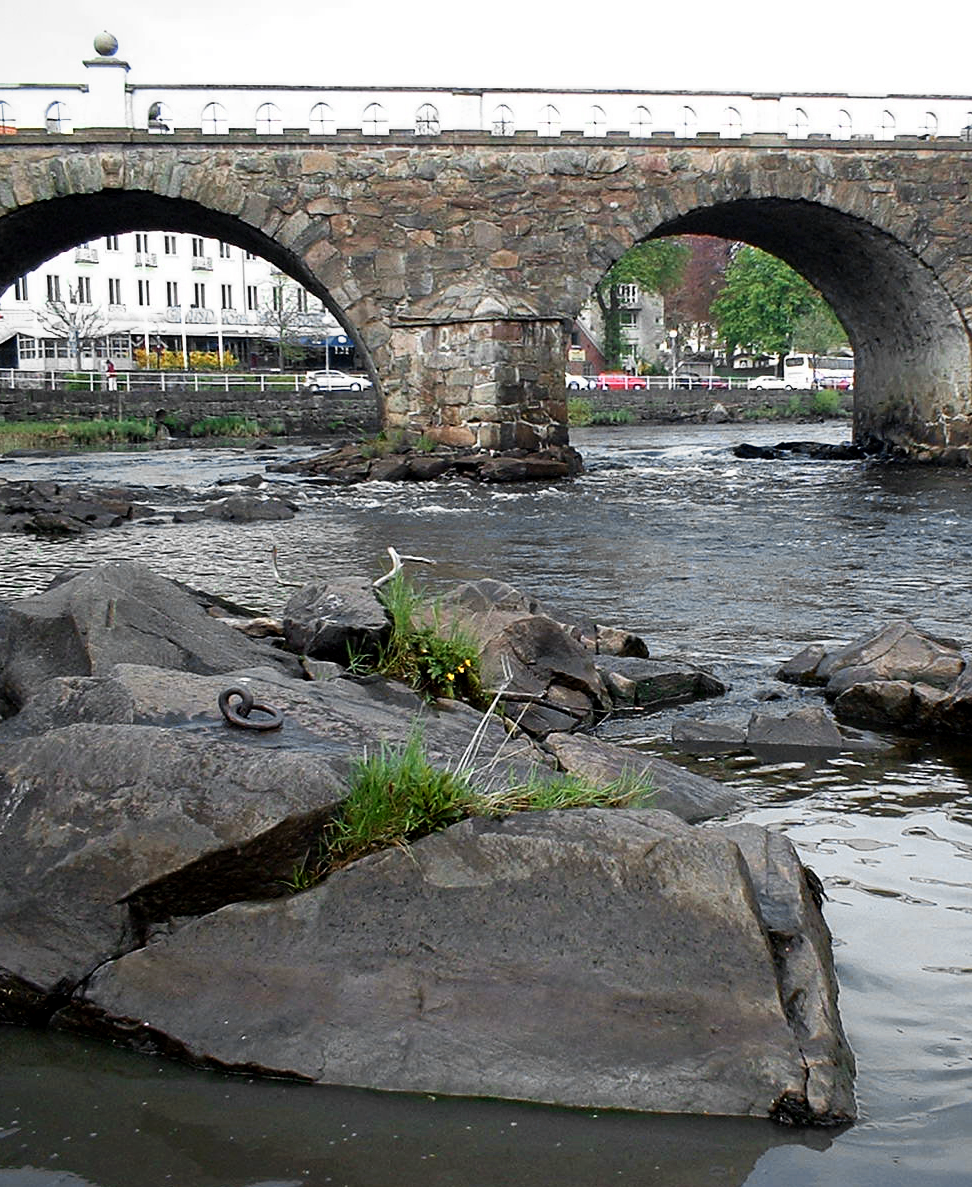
673	789
406	972
55	509
809	727
331	619
891	704
652	683
707	736
118	612
898	651
249	509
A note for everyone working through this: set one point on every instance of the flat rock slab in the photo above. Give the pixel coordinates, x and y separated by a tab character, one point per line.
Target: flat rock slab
674	789
610	959
651	683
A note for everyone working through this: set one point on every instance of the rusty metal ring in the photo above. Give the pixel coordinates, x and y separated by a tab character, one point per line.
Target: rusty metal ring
239	715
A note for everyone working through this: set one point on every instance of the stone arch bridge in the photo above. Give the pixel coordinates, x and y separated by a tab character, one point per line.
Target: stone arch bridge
459	264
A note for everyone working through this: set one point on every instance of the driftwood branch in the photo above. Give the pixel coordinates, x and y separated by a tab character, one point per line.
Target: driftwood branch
276	571
397	562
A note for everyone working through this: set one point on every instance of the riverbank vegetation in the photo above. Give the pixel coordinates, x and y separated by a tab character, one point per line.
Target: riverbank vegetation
398	796
102	434
581	413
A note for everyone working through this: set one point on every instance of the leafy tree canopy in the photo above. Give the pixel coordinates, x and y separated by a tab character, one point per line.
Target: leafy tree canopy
656	266
763	302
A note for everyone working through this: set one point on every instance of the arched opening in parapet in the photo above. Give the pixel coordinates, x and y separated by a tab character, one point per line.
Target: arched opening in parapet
168	292
908	337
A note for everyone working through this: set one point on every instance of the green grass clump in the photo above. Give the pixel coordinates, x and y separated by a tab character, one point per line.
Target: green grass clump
826	402
226	426
612	416
579	411
434	661
398	796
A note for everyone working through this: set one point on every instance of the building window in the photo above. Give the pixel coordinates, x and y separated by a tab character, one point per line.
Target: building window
141	242
249	255
798	126
172	293
732	123
929	125
114	291
268	119
845	125
159	118
57	118
321	121
887	125
641	122
427	120
503	124
596	122
8	121
111	243
170	245
53	288
549	123
301	300
213	119
198	246
224	251
20	289
199	295
226	296
276	298
84	290
26	346
144	296
688	122
374	122
252	298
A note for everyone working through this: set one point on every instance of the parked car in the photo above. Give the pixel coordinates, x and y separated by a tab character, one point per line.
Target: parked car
329	381
618	381
580	383
768	383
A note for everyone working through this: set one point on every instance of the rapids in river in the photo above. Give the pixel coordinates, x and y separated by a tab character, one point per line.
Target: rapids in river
732	564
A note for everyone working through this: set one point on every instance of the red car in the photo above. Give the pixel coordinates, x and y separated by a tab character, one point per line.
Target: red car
618	381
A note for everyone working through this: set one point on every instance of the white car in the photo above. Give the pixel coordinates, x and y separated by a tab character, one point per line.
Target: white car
329	381
580	383
766	383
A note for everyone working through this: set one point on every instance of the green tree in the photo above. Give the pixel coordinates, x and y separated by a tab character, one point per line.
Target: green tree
656	266
818	331
762	303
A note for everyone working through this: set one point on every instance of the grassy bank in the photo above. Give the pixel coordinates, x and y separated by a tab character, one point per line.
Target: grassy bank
102	434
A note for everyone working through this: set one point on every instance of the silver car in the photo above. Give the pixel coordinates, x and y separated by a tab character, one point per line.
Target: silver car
329	381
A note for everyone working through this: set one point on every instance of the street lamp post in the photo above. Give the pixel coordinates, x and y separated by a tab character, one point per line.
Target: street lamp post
672	353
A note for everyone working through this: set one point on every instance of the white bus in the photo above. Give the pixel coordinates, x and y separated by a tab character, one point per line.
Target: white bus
806	371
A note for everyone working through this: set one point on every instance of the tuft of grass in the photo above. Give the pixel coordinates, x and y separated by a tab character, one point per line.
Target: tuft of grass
86	434
397	796
612	416
225	426
435	662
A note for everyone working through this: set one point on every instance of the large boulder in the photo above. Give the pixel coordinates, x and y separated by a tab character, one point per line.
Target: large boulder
127	800
609	959
120	612
334	618
548	675
898	651
810	727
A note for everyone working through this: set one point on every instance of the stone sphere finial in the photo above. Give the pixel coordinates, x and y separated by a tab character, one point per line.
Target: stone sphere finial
106	44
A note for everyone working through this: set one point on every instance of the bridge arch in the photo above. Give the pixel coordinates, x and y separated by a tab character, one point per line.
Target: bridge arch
42	230
910	340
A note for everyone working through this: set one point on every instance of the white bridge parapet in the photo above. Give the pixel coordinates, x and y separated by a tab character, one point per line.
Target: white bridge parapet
106	99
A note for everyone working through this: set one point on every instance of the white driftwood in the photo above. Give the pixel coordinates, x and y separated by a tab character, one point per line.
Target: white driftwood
397	564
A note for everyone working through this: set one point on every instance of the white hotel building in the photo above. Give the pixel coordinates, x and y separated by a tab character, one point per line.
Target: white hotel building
151	290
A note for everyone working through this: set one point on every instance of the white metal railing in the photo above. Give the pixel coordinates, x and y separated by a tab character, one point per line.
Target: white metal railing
86	255
146	259
161	381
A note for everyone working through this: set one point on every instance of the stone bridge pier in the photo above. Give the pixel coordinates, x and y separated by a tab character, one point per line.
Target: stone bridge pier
496	383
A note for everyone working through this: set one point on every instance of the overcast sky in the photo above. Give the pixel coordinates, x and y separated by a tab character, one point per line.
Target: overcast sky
749	45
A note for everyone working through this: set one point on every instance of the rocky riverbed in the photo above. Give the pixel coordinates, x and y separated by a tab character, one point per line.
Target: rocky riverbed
644	957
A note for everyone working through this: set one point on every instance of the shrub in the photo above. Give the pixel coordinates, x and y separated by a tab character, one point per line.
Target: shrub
612	416
826	402
579	411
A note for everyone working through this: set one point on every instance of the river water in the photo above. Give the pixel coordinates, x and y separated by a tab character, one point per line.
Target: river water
733	564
